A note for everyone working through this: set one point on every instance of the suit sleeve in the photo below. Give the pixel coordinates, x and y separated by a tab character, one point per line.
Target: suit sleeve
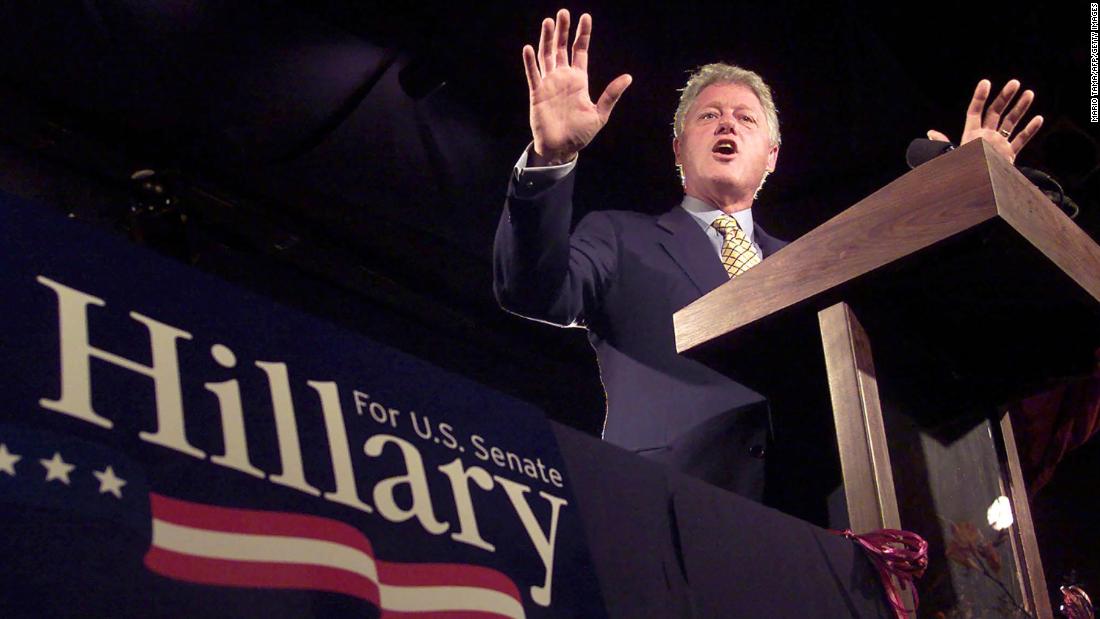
540	269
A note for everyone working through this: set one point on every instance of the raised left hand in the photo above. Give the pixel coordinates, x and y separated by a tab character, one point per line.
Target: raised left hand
993	125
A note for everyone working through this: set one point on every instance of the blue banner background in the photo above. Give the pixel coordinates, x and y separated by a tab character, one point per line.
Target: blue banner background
73	558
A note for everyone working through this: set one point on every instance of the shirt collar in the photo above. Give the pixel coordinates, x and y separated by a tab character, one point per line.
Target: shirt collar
705	214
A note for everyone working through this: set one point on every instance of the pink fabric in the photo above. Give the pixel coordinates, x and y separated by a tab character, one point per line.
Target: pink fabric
900	554
1076	604
1053	423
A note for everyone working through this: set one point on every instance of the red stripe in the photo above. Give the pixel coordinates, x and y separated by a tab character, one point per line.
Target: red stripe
290	575
444	575
260	574
235	520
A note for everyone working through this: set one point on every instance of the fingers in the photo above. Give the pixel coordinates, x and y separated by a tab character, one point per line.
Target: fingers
1013	117
992	118
1023	137
554	43
611	96
936	135
979	119
977	106
531	67
580	44
546	46
561	39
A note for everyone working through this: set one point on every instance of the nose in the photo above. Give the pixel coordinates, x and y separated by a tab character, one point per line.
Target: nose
725	125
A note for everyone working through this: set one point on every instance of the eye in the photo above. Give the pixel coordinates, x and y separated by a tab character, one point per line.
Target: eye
708	115
748	119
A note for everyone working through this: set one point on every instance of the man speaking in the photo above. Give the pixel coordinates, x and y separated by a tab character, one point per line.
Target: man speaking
622	274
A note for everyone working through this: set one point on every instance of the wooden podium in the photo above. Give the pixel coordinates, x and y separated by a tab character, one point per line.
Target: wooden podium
971	289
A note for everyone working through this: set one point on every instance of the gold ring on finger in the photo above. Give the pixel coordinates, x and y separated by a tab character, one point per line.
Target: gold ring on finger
1004	132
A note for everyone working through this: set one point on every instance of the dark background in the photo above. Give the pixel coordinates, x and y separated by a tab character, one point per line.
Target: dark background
349	158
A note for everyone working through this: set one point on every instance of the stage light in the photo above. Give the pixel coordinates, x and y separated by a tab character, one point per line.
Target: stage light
999	514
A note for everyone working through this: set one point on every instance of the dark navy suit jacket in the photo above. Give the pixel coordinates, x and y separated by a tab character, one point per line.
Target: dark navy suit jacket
622	275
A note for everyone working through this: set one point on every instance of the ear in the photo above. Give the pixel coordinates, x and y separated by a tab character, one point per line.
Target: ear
773	157
676	149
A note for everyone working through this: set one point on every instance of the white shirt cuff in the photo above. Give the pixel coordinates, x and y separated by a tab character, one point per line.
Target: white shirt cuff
533	179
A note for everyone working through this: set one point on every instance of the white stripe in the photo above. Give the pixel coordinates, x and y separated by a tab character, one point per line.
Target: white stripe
427	599
306	551
269	548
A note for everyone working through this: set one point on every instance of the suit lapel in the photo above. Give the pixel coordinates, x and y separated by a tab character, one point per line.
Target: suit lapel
689	246
768	243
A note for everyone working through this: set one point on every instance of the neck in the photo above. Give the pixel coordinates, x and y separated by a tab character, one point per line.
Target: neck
727	204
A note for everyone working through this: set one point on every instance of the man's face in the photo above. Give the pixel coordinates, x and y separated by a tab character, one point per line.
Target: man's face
725	146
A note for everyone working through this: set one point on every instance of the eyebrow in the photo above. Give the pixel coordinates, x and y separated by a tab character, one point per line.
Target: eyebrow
718	106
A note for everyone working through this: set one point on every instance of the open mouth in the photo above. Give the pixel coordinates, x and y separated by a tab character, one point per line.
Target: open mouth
725	147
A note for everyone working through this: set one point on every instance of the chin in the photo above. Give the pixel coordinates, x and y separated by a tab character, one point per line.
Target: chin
726	184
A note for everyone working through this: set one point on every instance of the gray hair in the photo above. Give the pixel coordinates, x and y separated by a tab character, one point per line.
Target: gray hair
722	73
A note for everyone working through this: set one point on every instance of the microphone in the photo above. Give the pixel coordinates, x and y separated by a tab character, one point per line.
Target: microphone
1052	189
923	150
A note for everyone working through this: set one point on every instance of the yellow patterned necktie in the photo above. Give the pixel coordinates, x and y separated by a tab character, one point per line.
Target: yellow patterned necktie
738	254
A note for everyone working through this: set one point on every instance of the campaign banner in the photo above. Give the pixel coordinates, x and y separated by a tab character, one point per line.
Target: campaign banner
172	446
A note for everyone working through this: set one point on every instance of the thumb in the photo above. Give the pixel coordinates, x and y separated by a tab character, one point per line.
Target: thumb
611	95
936	135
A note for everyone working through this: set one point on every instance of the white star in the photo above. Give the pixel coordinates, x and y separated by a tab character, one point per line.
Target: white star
109	482
58	469
8	460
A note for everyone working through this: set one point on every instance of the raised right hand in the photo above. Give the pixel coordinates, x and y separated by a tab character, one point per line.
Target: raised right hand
563	118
